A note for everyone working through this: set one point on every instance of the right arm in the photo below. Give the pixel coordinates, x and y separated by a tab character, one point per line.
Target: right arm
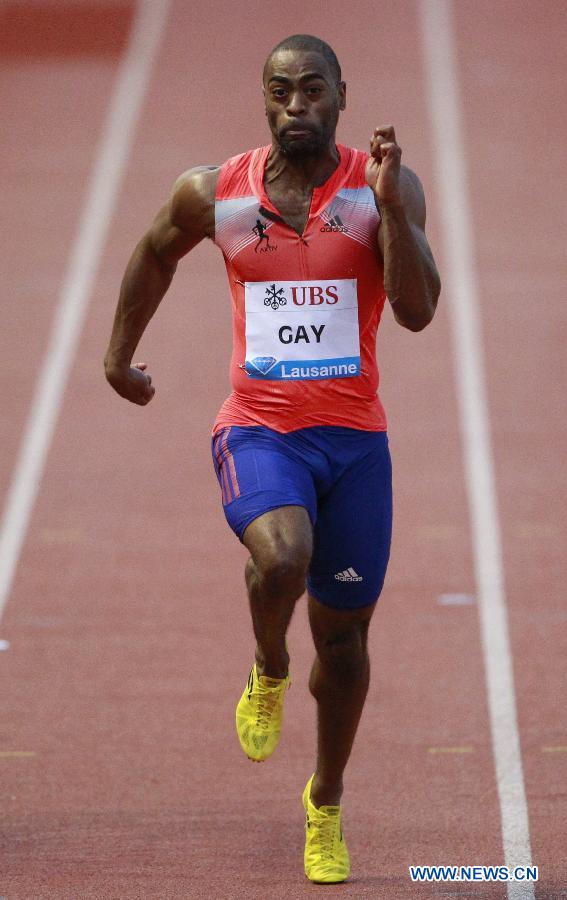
179	226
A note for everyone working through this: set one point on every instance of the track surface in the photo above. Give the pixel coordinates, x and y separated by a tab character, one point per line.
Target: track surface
129	633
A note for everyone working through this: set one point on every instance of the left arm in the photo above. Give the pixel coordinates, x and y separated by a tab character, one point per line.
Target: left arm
411	279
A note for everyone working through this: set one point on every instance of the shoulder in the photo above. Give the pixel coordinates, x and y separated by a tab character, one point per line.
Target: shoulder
353	164
192	199
241	173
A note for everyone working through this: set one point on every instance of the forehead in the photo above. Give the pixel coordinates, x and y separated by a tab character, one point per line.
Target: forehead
296	64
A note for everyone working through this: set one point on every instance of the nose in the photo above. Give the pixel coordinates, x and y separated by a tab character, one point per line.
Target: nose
296	103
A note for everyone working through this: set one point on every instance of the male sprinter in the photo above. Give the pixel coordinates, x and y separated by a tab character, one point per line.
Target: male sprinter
314	235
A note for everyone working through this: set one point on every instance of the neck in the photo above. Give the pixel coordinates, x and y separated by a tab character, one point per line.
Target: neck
307	172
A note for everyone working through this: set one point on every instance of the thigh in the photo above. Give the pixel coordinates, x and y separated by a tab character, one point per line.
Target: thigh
353	532
258	474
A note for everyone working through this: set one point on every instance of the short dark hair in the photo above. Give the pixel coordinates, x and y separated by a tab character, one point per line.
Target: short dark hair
309	43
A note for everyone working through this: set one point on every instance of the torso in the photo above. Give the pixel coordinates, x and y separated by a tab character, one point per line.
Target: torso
297	261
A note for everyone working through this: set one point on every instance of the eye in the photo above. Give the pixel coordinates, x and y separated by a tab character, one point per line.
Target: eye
314	90
278	93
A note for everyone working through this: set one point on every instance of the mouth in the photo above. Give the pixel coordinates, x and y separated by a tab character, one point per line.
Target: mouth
297	132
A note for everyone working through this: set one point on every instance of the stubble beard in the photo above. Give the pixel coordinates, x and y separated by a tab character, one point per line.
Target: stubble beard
304	148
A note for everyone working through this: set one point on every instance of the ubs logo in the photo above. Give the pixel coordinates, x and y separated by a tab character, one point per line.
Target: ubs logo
261	231
302	295
335	224
275	297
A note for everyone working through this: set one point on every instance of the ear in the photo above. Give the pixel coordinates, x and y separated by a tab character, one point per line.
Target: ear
342	95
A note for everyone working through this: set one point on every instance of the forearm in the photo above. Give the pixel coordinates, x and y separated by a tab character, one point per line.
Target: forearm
145	282
411	280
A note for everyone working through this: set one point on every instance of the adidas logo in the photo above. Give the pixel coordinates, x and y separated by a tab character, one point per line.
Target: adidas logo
348	575
335	224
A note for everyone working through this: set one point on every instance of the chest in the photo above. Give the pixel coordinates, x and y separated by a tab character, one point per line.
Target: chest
333	240
292	203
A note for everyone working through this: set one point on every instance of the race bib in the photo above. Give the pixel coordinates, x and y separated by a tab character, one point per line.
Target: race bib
299	330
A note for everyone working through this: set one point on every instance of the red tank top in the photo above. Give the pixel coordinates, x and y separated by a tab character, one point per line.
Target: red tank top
305	308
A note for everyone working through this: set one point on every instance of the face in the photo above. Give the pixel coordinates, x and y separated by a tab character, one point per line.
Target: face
303	101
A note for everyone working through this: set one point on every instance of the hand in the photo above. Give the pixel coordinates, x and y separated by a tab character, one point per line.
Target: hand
383	167
132	383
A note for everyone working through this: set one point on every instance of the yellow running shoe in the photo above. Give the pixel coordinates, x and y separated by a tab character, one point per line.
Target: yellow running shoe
326	856
259	715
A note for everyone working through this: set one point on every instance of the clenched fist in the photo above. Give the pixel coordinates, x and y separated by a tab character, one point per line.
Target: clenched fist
383	167
132	383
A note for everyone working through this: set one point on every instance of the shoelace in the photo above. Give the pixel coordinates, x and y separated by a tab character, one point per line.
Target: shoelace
326	828
266	705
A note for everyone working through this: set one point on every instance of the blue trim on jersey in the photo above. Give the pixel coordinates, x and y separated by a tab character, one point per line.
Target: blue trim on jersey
269	369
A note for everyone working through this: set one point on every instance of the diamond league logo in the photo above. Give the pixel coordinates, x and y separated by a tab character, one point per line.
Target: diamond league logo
275	297
263	364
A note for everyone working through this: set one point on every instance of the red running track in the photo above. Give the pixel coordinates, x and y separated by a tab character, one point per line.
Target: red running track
129	637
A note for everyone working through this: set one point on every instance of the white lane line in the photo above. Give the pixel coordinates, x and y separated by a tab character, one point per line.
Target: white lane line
460	287
106	177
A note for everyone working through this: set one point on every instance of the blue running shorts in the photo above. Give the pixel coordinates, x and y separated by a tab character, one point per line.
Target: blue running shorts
343	478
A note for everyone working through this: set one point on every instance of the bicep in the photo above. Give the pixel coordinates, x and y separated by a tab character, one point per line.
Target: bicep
168	241
413	202
188	217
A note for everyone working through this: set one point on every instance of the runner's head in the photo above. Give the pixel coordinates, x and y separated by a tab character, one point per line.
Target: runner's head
304	95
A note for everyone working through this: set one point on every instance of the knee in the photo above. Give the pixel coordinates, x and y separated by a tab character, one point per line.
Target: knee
283	568
344	652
